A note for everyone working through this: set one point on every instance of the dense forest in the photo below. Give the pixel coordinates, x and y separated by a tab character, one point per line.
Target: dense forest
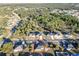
44	20
38	19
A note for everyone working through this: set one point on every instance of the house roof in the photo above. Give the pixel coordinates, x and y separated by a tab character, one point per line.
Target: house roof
6	40
13	29
65	33
38	44
18	48
17	43
35	33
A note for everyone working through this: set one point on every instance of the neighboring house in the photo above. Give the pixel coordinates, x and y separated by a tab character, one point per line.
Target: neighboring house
56	42
66	44
31	36
24	44
17	43
58	35
39	35
5	41
18	49
28	42
50	35
70	46
39	49
54	35
36	36
39	46
67	35
75	43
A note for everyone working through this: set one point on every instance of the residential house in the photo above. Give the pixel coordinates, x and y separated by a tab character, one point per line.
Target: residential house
54	35
18	47
5	41
70	46
67	44
39	35
31	36
50	36
58	35
40	46
67	35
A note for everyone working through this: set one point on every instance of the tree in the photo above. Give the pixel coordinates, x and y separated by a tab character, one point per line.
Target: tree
7	48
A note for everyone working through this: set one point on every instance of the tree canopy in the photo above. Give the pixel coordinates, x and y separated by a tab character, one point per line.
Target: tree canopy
41	21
